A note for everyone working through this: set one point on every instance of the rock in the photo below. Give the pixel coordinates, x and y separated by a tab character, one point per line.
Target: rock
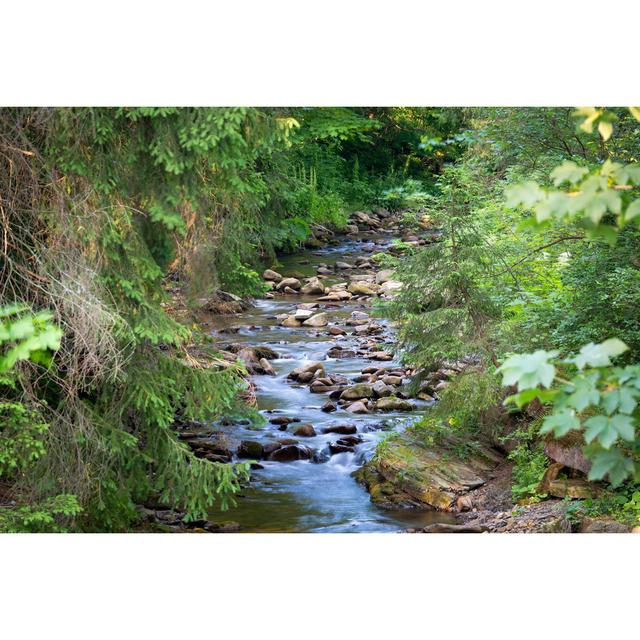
603	525
304	431
357	391
283	420
395	381
274	276
443	527
360	289
384	276
393	404
292	283
351	229
407	472
344	429
266	367
328	407
319	320
289	291
263	351
381	355
289	453
291	321
302	314
313	287
568	453
270	447
335	447
310	367
336	331
576	488
324	271
250	449
464	503
357	407
381	389
349	441
391	287
343	265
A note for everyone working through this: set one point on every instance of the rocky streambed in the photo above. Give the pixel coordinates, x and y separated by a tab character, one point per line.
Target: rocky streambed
327	379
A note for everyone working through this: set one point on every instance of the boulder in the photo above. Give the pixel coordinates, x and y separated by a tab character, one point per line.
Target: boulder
381	389
603	525
343	429
343	265
392	403
335	447
312	287
266	367
357	391
282	420
303	314
357	407
391	287
289	453
311	367
384	276
292	283
381	355
336	331
291	321
250	449
304	431
270	274
328	407
360	289
319	320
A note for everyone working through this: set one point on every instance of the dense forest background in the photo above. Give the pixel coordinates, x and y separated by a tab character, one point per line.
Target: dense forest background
535	275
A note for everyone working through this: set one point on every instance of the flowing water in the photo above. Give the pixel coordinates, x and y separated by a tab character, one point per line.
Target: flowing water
305	495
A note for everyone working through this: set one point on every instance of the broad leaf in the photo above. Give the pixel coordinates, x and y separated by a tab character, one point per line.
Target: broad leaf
529	370
599	355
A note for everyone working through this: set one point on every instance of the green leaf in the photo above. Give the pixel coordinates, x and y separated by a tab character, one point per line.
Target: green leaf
612	463
560	423
605	129
635	112
525	194
568	171
607	429
529	370
584	392
632	211
622	400
599	355
525	397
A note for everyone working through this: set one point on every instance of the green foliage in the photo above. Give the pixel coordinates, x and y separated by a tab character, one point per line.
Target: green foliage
598	398
21	438
408	195
53	515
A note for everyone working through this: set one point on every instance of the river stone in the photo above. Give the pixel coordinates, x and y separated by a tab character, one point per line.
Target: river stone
390	287
272	275
336	331
250	449
304	431
381	389
381	355
343	265
331	297
384	276
393	404
292	283
360	289
310	367
283	420
289	453
357	407
328	407
289	291
357	392
335	447
303	314
266	367
342	429
325	271
291	321
319	320
312	287
603	525
392	380
351	229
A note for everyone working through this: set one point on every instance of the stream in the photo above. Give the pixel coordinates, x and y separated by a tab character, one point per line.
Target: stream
306	495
